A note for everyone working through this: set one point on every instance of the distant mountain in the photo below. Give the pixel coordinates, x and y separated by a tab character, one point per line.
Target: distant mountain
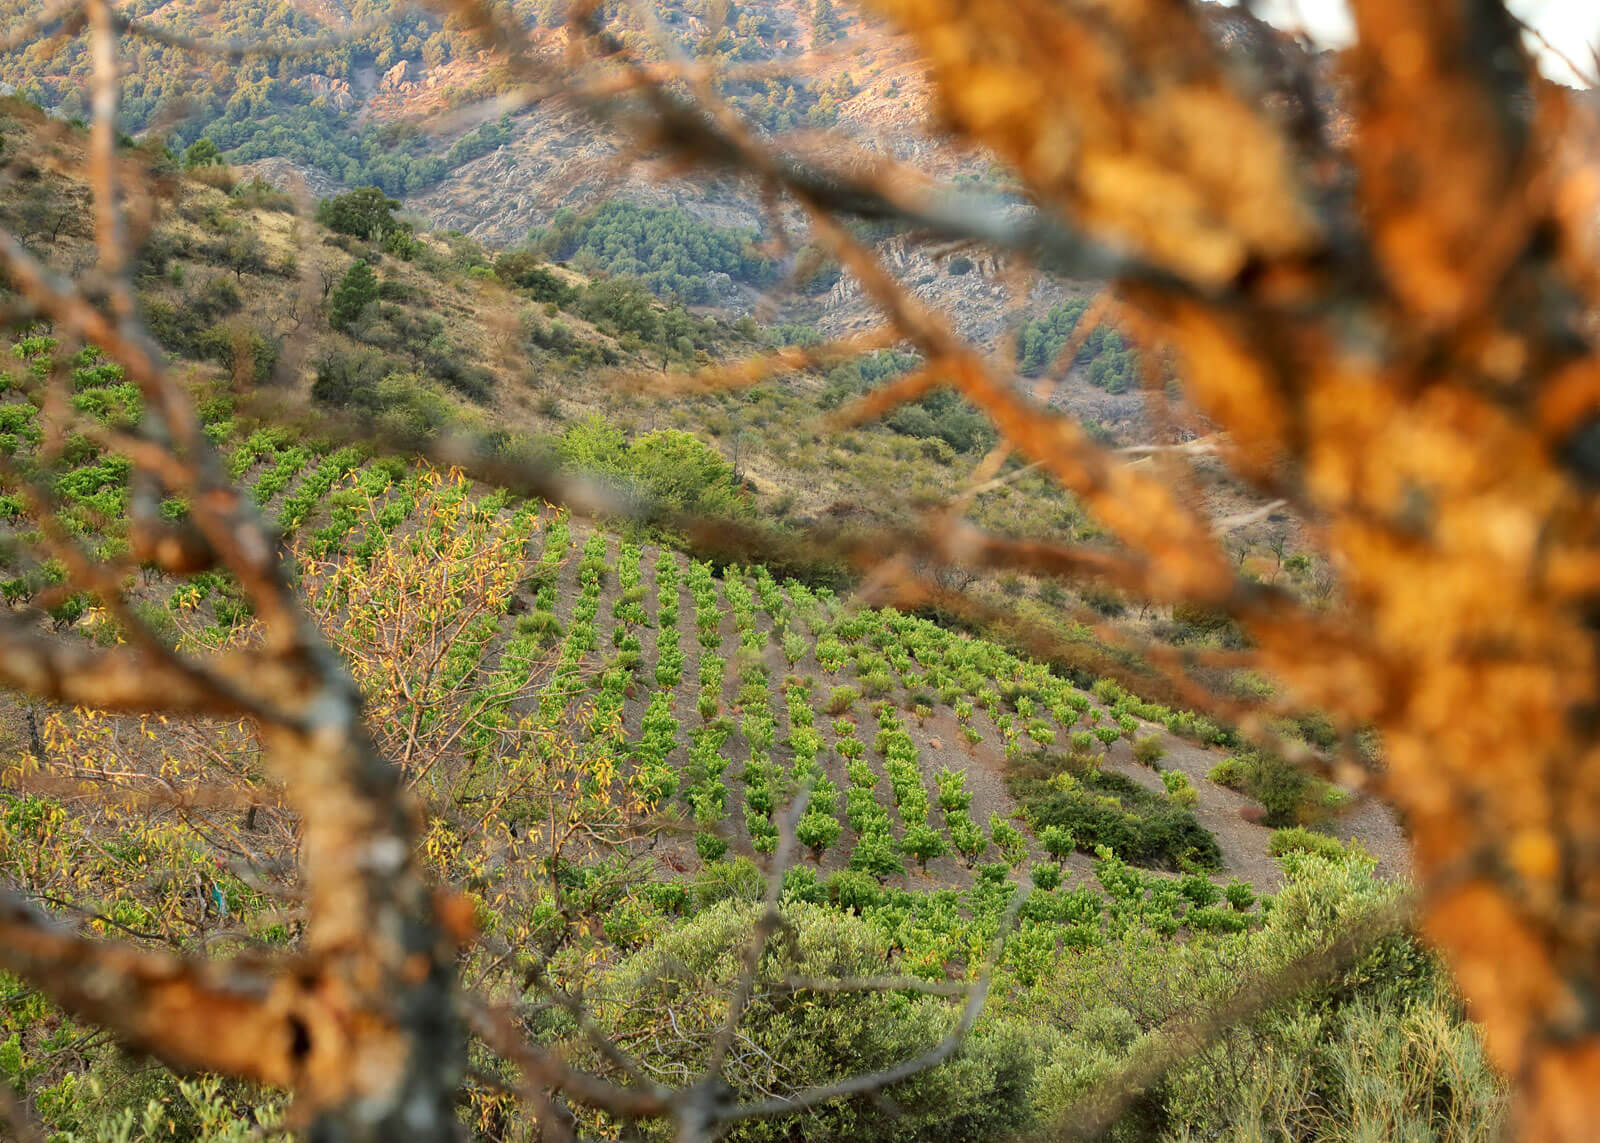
409	104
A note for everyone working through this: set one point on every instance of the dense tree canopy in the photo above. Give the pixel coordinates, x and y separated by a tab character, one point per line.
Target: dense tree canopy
298	107
1113	364
365	212
668	249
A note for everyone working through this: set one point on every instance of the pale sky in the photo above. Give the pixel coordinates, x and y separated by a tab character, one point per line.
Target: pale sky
1571	26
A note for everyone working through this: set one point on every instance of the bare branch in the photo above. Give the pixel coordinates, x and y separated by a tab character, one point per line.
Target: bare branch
768	923
545	1070
115	678
192	1015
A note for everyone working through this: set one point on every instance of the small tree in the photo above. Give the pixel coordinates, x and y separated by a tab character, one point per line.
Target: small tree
924	843
824	23
243	253
202	153
355	291
365	212
817	831
1058	843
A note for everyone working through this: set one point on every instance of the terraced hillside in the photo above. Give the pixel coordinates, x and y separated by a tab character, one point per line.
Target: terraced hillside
239	289
605	739
718	695
732	692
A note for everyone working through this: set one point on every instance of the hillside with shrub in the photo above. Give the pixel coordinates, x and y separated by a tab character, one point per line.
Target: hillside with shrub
691	705
351	308
607	733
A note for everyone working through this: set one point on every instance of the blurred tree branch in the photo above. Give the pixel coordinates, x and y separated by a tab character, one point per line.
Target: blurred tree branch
1391	337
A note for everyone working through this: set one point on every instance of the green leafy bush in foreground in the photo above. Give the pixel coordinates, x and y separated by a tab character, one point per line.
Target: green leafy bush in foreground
799	1040
1086	985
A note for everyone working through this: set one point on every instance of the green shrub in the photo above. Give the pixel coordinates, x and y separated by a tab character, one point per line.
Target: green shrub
953	793
365	212
1057	842
1009	840
522	270
709	846
1148	750
840	700
924	843
540	625
853	890
1199	890
729	879
1179	788
1230	772
966	837
1288	794
797	1041
669	897
802	884
817	831
1298	839
1103	809
1280	787
201	153
874	854
1214	919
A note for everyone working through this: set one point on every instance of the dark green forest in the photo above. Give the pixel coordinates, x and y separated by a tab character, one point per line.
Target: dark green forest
1113	364
302	107
668	249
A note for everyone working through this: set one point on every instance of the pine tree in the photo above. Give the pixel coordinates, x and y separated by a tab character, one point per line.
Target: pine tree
824	23
355	291
201	153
